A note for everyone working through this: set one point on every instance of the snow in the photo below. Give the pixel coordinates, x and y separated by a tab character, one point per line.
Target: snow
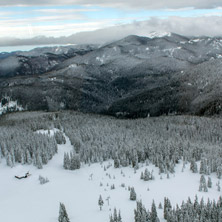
196	40
73	66
115	48
10	105
171	50
52	79
100	59
159	34
26	200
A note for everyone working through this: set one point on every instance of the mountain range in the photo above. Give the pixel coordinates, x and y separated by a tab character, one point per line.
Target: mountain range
132	77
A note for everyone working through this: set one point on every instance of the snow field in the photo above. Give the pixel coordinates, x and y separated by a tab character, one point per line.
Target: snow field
26	200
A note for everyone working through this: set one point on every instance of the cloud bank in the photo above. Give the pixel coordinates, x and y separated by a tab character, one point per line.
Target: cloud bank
142	4
198	26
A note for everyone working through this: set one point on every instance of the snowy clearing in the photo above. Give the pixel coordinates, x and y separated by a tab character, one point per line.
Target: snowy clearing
79	190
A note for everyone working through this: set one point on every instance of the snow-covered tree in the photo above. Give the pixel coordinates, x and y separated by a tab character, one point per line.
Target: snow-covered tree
132	194
153	214
203	184
209	182
63	216
100	202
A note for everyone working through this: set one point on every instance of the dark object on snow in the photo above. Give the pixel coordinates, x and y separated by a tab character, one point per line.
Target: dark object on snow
26	176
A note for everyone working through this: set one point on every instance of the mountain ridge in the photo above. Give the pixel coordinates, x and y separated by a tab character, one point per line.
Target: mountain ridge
132	77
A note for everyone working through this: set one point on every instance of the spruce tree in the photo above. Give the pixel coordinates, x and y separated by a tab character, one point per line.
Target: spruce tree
132	194
100	202
193	166
63	216
153	215
119	219
115	216
209	182
203	185
146	175
116	162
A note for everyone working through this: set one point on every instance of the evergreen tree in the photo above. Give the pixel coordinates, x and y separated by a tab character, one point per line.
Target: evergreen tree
116	162
100	202
75	161
115	217
218	186
203	185
166	208
141	176
203	166
39	161
66	161
119	219
9	160
140	213
111	219
132	194
63	216
209	182
146	175
193	166
153	215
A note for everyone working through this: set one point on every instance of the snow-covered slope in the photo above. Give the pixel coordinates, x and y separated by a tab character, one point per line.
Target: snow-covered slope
135	76
26	200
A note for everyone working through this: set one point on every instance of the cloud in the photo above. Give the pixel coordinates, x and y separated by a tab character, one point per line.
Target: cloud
193	26
26	21
142	4
28	31
64	11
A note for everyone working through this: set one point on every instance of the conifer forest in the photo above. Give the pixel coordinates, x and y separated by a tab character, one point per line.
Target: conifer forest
150	150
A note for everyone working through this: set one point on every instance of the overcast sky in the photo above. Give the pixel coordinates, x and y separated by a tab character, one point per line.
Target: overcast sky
31	18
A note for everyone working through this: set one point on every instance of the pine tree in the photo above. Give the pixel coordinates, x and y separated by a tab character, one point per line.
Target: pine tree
74	161
115	216
28	157
39	161
203	166
66	161
119	219
63	216
141	176
9	160
193	166
166	208
153	215
116	162
132	194
203	185
146	175
100	202
218	186
140	214
111	219
209	182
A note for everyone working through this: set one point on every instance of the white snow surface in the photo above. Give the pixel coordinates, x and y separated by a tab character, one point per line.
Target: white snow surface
159	34
10	105
26	200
